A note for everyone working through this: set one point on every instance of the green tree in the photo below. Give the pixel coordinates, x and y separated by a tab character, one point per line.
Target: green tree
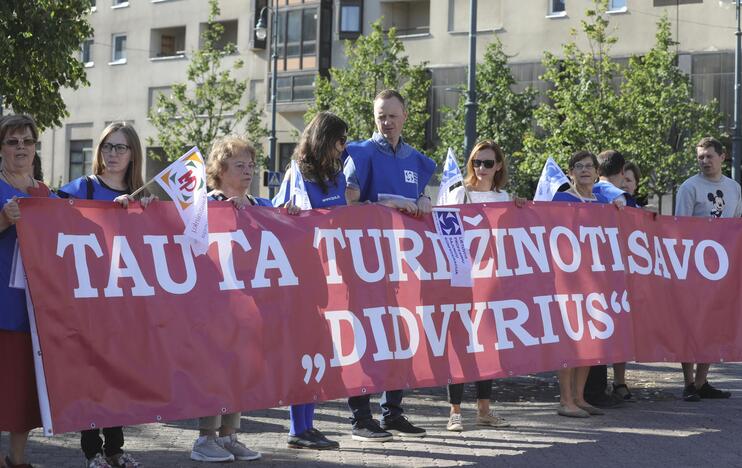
210	104
662	122
582	107
503	115
375	62
39	49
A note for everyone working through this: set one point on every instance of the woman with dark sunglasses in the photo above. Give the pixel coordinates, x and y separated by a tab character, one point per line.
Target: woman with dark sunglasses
486	175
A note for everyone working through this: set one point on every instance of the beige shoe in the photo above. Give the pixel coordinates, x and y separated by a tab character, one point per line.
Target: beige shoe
454	423
491	420
578	413
591	410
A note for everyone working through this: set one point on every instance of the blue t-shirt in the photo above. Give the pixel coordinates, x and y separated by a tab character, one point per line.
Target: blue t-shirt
611	192
256	201
374	168
13	314
78	188
334	196
568	197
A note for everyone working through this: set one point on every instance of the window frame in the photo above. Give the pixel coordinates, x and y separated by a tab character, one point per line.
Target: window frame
613	9
553	13
349	34
89	43
114	60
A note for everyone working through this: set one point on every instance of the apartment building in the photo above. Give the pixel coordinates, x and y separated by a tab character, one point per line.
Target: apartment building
141	47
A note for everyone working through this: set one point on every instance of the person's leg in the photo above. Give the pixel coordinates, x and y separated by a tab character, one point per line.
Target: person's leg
230	424
580	379
484	393
619	373
360	406
566	389
208	425
298	424
455	395
91	443
309	415
207	448
17	449
596	383
114	440
227	440
391	405
688	375
702	372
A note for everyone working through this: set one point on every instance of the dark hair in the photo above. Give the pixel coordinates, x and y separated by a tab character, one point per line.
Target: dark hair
38	174
630	166
610	163
133	176
501	176
578	156
315	151
10	123
389	94
711	142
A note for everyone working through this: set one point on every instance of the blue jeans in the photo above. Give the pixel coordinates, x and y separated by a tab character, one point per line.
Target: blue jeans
390	402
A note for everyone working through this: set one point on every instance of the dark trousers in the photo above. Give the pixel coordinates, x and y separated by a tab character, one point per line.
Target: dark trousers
390	401
456	391
597	382
92	443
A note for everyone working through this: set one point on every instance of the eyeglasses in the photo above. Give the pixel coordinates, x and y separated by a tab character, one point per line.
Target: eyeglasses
16	142
109	148
580	166
487	163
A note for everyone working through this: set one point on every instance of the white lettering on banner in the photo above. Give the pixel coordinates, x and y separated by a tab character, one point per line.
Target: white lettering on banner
375	256
515	324
84	289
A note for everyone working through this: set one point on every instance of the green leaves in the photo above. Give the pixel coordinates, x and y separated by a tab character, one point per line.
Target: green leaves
39	43
374	63
210	104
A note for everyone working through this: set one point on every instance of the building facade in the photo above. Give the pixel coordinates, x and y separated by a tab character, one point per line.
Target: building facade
141	47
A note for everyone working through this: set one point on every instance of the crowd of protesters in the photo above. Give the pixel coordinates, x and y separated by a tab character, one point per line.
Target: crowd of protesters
384	169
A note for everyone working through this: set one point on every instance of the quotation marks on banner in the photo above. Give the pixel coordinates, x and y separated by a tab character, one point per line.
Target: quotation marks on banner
309	364
624	305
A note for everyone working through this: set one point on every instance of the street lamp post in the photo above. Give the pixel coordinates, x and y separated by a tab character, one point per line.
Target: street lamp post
737	135
471	95
261	32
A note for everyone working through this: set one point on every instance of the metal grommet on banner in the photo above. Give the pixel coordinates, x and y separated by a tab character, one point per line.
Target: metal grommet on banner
510	372
158	417
564	365
363	390
598	362
449	381
71	201
92	425
224	410
280	402
315	398
721	359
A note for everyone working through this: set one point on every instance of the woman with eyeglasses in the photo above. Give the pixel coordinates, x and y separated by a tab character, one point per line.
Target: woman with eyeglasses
19	405
486	175
318	158
117	172
583	172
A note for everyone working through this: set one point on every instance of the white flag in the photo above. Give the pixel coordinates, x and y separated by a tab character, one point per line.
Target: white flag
17	272
298	193
552	177
450	231
185	182
449	180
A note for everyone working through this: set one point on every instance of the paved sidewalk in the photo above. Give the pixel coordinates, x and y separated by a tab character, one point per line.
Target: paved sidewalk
659	430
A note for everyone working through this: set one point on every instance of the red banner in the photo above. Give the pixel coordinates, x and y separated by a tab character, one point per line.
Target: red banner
132	328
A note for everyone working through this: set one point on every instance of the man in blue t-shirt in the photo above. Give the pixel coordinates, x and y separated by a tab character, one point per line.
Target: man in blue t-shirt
386	170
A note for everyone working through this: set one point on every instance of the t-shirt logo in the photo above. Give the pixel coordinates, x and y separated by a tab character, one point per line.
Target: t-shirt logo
717	203
410	177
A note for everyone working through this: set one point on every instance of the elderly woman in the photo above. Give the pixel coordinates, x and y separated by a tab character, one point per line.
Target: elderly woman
117	172
583	171
19	406
230	169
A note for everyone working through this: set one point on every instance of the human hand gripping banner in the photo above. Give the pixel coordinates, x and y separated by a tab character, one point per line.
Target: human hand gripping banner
133	328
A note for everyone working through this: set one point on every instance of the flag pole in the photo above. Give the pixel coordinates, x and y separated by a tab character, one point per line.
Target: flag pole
141	188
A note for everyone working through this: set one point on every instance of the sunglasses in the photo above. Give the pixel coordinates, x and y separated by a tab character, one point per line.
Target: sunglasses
487	163
343	139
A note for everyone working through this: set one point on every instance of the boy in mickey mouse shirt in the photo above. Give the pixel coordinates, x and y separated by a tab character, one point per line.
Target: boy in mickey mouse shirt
708	193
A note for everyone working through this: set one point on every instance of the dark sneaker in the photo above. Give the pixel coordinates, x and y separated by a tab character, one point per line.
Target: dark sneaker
690	393
604	400
306	440
403	428
622	392
320	436
707	391
10	465
370	431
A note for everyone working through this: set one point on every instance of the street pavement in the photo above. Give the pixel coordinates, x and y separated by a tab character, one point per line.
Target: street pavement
659	430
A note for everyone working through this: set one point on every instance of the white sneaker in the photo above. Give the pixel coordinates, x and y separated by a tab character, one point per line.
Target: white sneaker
454	423
98	461
207	449
237	448
491	420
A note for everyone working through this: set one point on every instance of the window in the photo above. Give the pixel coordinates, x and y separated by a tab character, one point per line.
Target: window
167	42
489	15
120	3
154	93
118	49
229	34
81	158
86	52
297	39
285	151
295	88
617	6
411	18
350	19
557	8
